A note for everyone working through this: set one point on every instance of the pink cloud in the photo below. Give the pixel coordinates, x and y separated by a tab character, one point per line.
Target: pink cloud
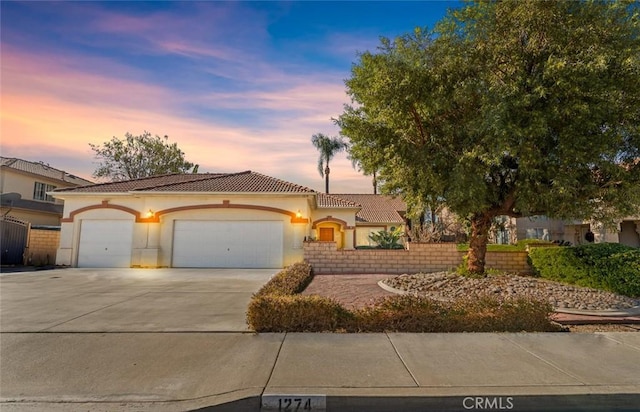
51	107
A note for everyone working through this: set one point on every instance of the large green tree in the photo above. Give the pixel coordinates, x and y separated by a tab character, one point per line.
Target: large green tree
328	148
139	156
507	108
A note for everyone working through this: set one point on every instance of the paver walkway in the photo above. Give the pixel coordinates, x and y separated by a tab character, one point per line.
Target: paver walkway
352	291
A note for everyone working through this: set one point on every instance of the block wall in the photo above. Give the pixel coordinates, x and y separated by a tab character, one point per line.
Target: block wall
418	257
43	246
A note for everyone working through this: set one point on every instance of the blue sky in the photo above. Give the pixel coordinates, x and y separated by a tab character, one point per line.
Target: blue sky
238	85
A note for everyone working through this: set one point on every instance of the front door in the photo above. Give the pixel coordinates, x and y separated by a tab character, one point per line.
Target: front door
326	234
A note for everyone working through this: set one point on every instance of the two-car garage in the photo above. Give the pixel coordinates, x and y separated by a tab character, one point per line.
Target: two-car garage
196	243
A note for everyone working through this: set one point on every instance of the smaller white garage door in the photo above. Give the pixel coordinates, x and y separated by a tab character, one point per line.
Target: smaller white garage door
105	243
227	244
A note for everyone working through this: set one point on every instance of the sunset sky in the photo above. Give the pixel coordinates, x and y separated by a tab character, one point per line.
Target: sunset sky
238	85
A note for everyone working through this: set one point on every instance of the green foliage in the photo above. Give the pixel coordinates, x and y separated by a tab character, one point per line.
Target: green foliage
509	108
277	308
608	266
387	239
139	156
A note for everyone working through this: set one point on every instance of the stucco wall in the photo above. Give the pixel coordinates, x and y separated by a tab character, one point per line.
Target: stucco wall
419	257
23	183
42	247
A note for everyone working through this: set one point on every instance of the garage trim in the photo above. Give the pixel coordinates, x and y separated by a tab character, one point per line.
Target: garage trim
156	216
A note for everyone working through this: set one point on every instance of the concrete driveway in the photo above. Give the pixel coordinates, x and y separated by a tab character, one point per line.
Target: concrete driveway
128	300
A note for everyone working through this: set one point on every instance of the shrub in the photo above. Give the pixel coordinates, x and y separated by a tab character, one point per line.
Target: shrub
400	313
608	266
295	313
624	272
292	279
404	313
387	239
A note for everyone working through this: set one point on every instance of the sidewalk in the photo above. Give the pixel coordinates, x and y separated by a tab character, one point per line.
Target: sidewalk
374	372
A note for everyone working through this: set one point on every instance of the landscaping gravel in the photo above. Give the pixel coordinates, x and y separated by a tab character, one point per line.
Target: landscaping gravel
446	285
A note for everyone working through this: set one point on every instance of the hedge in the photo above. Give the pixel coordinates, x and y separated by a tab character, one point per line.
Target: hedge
608	266
277	307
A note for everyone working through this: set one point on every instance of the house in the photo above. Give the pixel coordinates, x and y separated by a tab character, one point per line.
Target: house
241	219
23	190
626	230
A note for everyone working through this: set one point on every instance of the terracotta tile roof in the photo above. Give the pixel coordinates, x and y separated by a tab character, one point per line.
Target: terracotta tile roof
377	208
243	182
42	169
324	200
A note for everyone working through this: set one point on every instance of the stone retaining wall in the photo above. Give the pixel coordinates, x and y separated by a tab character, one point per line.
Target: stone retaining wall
418	257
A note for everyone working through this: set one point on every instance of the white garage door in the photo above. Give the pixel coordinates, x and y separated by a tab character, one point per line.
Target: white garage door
227	244
105	243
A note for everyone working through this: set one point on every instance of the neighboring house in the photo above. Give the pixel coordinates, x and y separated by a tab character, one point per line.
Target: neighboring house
23	190
626	231
241	219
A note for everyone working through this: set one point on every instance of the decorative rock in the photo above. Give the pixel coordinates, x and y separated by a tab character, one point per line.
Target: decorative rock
445	286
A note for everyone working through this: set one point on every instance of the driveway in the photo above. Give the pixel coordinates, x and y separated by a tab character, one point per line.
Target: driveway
128	300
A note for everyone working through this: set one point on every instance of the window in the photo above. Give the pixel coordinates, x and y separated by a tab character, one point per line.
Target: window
40	191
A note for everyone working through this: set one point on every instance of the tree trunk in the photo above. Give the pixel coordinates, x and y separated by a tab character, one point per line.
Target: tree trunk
375	183
326	178
480	225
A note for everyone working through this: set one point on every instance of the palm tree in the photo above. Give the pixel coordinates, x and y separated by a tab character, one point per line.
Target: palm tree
328	147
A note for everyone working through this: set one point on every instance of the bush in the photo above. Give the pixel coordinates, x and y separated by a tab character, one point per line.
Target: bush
276	307
624	272
607	266
405	313
387	239
295	313
292	279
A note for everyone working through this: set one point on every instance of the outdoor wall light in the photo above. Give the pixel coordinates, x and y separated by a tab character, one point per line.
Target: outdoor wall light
298	214
150	214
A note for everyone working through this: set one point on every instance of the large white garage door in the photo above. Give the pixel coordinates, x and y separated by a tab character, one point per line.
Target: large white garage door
227	244
105	243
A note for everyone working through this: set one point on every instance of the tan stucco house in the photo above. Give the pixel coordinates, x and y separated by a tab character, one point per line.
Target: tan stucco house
24	188
241	219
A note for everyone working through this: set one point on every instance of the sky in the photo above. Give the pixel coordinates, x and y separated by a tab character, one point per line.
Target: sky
237	85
